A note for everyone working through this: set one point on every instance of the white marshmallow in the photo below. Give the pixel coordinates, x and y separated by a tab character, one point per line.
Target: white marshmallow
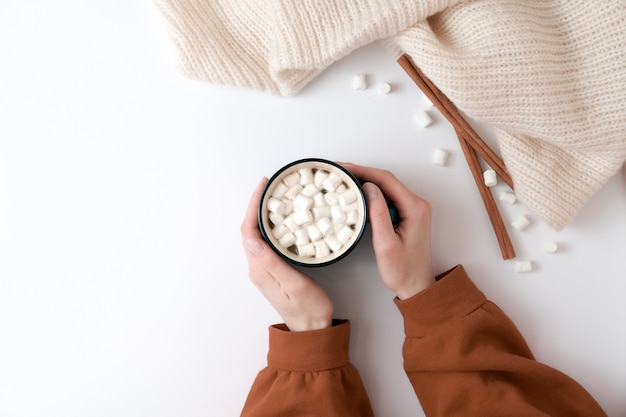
288	207
550	247
293	192
490	178
301	217
291	225
319	177
319	200
280	190
310	190
337	214
520	223
314	232
345	234
320	212
341	189
287	240
523	266
332	199
276	218
331	183
302	237
292	179
359	81
350	207
347	197
306	250
440	157
280	231
384	88
302	202
325	226
333	243
321	249
276	206
423	118
352	218
306	176
508	197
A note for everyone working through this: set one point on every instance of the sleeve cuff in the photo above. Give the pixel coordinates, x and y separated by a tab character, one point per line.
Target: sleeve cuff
453	296
309	351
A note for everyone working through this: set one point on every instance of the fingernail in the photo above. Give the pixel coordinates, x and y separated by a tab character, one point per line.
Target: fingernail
254	246
370	190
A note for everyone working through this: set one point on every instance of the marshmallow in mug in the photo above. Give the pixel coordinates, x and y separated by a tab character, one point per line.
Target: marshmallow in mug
314	211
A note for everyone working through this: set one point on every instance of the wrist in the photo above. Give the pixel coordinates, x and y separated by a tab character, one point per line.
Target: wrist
411	290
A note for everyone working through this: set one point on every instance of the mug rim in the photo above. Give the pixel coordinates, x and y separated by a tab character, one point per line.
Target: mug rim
359	230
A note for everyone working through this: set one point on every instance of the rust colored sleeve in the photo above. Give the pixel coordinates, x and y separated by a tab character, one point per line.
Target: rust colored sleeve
308	373
464	357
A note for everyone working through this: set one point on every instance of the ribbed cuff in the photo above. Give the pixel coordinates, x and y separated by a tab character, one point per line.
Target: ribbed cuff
453	296
309	351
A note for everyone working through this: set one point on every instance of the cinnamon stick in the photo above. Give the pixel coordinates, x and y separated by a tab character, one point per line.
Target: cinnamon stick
472	146
450	112
506	247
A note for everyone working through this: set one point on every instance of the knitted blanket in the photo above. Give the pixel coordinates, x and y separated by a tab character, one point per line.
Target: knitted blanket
549	76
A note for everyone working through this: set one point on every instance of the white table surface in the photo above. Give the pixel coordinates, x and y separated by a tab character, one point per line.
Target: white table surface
123	285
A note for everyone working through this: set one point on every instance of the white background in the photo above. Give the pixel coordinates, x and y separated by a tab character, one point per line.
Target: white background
123	284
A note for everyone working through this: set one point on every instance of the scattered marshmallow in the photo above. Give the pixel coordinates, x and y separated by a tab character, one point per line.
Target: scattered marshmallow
423	118
520	223
359	81
523	266
384	88
440	157
490	178
508	197
550	247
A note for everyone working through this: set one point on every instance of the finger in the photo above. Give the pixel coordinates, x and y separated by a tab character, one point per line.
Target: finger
395	191
383	233
250	226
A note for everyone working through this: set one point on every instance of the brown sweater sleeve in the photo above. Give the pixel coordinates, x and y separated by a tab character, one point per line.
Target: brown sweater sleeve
308	373
464	357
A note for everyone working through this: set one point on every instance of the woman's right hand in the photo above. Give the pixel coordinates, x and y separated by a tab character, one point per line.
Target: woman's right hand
403	254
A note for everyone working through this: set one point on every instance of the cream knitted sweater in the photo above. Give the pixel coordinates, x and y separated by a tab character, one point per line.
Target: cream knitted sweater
548	75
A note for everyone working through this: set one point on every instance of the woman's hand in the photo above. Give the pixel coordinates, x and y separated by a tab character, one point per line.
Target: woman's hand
403	254
301	302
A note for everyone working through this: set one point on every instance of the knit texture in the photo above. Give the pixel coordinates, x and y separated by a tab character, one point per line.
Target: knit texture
549	76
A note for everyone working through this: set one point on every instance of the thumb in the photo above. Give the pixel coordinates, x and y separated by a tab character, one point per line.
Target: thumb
383	232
